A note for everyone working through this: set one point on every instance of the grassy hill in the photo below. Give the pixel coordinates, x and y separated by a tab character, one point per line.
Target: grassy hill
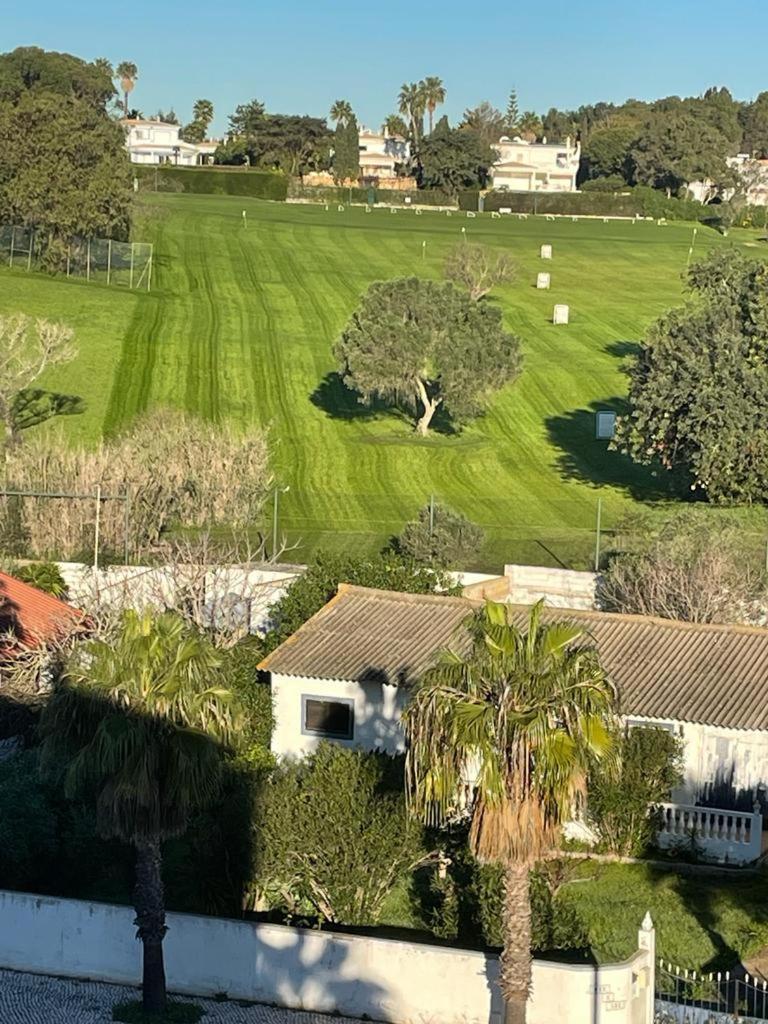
240	326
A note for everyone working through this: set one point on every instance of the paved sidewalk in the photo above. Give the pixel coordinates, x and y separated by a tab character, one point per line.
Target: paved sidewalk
38	999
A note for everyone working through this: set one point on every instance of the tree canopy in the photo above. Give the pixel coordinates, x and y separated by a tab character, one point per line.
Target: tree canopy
423	345
31	69
64	169
675	148
699	387
292	142
453	158
346	149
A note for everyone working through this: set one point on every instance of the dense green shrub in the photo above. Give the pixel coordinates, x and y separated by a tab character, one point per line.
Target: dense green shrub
334	836
440	536
28	840
45	576
612	183
641	200
646	767
214	181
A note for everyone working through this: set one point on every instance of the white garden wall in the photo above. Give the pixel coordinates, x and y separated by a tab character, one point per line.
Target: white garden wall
386	980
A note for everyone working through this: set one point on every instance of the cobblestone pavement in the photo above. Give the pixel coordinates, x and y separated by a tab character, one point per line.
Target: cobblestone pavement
37	999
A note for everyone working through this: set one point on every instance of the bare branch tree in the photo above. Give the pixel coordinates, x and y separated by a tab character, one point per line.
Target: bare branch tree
478	268
27	349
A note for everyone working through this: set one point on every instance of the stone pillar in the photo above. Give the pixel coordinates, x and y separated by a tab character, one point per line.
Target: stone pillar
646	941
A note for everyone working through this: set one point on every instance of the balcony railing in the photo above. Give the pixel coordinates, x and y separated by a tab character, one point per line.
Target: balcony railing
733	837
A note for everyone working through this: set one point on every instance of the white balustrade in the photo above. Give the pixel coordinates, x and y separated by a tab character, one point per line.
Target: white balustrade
734	837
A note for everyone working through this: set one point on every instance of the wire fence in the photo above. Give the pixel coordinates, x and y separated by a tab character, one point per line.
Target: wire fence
703	997
122	264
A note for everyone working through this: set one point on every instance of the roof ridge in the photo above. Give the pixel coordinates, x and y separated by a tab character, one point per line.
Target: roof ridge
655	620
405	597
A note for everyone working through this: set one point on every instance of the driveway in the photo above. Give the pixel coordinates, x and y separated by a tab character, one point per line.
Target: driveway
38	999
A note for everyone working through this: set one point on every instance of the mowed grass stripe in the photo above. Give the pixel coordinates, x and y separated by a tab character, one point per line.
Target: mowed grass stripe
241	326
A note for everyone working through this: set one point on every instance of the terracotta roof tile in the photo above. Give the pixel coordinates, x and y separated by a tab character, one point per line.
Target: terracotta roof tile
32	616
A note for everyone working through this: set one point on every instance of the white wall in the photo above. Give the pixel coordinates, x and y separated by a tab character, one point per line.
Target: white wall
561	588
377	710
386	980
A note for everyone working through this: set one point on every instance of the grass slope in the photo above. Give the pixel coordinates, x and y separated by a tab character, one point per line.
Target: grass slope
240	327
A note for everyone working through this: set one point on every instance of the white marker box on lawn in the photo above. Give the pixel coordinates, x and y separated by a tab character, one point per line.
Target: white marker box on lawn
605	425
561	314
542	281
546	252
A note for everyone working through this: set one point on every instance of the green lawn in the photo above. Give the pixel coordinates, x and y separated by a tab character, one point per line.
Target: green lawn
240	326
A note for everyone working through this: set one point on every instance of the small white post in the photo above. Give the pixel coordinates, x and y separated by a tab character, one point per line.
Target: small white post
646	941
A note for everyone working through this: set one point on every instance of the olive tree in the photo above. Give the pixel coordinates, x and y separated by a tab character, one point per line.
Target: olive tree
422	345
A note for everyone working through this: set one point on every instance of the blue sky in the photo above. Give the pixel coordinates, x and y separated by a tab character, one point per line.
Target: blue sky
299	56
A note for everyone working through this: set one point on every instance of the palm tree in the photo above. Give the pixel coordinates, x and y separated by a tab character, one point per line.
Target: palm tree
341	112
434	95
395	125
411	103
127	73
524	711
530	126
134	724
202	114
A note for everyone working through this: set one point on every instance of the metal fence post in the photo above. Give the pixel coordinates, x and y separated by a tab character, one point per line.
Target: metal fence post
130	280
109	261
597	533
29	254
88	261
10	255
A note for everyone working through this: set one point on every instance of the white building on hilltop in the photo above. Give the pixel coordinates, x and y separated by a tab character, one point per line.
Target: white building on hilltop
535	166
157	142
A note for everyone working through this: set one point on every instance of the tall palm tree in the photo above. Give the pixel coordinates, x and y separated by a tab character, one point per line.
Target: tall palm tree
434	95
341	112
127	72
138	724
202	114
524	712
411	103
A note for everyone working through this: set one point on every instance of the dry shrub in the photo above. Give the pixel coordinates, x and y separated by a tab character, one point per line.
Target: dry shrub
175	470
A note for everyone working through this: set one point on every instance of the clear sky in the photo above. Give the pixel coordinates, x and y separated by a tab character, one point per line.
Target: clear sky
297	56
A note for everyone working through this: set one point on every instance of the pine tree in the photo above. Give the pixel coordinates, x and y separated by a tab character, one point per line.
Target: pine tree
512	114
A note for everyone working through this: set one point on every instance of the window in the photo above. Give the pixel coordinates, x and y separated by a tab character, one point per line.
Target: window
322	716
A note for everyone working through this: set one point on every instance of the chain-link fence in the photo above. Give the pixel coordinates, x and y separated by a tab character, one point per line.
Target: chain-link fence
123	264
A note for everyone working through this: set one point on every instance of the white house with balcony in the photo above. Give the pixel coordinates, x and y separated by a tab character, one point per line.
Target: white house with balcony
157	142
346	675
380	153
523	166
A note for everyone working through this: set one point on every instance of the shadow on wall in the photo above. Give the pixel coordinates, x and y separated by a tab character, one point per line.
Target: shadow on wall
585	457
723	793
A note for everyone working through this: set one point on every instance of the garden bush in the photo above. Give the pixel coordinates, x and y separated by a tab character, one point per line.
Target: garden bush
366	194
214	181
333	835
642	200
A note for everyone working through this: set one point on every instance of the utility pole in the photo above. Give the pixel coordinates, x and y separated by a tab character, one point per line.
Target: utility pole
597	533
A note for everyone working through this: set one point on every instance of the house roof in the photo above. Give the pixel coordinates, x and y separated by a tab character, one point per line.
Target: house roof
663	669
31	617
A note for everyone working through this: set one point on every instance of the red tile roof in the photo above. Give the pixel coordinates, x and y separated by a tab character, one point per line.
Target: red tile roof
31	616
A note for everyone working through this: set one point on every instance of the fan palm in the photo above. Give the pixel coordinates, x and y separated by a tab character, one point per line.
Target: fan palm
341	112
411	103
394	125
530	126
523	712
135	725
127	72
434	95
202	113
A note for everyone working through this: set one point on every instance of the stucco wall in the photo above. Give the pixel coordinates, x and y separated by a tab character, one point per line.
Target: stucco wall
377	710
386	980
561	588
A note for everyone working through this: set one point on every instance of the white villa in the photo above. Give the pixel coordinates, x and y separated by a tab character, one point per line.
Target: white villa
345	676
380	152
157	142
535	166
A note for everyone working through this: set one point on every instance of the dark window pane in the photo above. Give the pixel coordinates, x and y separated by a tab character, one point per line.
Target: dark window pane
328	718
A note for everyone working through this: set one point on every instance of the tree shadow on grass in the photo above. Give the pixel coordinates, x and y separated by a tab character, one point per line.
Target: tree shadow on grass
342	403
624	349
585	457
33	406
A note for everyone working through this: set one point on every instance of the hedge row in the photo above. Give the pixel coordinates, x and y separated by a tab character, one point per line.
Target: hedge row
214	181
389	197
645	201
